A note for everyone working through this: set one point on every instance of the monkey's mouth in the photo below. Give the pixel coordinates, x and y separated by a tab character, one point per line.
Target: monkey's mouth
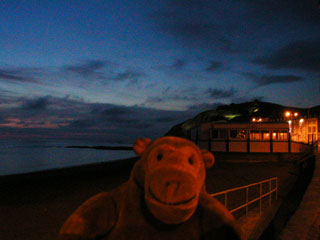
171	203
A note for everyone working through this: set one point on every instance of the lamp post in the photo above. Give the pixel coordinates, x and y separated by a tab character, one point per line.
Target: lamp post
291	117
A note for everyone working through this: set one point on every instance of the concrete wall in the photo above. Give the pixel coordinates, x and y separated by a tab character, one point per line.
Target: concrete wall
238	146
259	146
218	146
280	147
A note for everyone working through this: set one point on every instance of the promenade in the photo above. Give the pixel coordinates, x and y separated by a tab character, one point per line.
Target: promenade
35	205
305	223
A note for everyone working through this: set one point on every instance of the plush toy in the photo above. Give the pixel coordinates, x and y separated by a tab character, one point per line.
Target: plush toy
164	198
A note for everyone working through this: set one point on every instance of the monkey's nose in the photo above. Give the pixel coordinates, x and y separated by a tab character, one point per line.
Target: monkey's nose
172	188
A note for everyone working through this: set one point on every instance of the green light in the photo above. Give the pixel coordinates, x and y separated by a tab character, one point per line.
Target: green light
231	116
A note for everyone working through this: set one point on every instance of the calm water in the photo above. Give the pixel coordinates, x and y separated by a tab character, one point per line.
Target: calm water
22	157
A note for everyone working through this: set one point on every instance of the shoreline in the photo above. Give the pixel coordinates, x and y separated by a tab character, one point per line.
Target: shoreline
117	148
92	169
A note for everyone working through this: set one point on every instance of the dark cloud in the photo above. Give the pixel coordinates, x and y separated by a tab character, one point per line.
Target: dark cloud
103	70
195	22
170	94
168	98
67	117
86	68
248	99
234	26
300	11
214	65
179	64
154	100
2	120
300	55
204	106
36	104
18	75
116	111
273	79
220	93
128	75
82	124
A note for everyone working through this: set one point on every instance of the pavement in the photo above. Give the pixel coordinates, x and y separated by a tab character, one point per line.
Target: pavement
305	223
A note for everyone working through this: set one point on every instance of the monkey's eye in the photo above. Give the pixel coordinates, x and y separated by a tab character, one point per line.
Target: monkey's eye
159	156
191	160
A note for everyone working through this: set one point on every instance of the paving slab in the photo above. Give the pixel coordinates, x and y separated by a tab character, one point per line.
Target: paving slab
305	222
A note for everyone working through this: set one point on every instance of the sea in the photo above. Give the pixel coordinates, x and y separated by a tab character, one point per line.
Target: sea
25	156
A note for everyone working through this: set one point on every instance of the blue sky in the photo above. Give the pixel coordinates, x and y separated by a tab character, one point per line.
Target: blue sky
118	70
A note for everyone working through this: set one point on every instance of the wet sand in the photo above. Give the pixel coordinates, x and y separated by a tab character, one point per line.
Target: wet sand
34	206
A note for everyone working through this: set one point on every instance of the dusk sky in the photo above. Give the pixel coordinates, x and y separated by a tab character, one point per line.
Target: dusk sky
119	70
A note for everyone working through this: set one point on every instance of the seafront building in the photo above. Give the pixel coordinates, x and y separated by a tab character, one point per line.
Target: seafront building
291	134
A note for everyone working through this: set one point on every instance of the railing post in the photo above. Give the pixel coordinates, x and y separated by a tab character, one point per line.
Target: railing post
225	200
260	198
227	143
270	193
247	199
289	142
276	188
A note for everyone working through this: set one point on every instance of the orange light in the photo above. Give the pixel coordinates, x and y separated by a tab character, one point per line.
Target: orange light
287	114
254	119
296	114
260	120
301	122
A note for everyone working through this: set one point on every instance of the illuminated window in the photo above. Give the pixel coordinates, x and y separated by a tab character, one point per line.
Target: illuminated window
281	135
265	135
255	135
238	133
259	135
219	133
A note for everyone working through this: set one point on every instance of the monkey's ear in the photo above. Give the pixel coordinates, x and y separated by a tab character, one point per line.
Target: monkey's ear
208	158
141	145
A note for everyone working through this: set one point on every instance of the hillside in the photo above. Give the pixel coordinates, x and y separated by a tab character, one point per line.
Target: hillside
242	112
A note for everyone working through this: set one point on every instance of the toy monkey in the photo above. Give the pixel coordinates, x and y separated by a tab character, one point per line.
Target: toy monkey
164	198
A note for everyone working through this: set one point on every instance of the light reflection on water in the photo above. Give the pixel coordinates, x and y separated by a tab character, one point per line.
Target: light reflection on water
22	157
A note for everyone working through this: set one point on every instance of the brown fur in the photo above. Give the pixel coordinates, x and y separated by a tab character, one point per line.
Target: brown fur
165	198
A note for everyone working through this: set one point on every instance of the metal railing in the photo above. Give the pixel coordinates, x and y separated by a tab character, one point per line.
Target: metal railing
247	201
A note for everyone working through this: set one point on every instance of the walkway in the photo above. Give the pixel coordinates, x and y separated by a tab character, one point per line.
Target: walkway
305	223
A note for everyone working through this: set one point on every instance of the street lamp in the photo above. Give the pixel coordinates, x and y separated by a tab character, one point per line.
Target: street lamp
287	114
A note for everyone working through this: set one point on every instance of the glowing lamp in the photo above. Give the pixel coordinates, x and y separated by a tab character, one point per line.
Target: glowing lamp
254	119
296	114
287	114
260	120
301	122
